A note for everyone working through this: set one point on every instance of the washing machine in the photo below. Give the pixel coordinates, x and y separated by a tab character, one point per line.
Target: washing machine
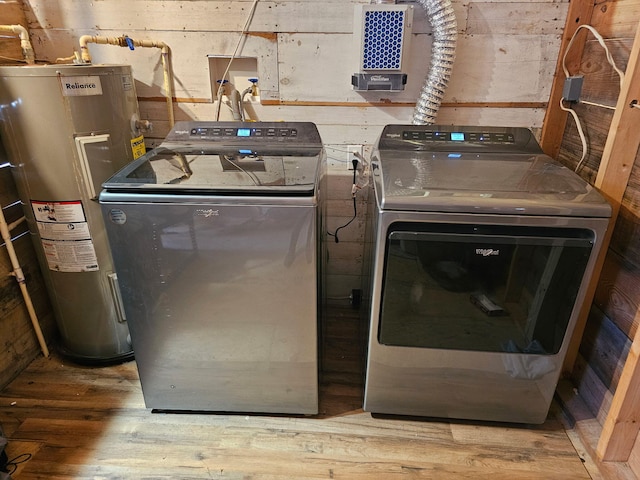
482	249
215	236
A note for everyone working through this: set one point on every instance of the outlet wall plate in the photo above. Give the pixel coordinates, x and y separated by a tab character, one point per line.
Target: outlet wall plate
350	154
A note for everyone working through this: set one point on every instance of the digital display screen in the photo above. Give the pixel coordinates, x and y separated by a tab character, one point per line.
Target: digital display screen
245	152
244	132
457	136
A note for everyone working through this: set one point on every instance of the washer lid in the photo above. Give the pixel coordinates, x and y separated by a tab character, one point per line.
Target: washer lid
183	169
228	158
470	182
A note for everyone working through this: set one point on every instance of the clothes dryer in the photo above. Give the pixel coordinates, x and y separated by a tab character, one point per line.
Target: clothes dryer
482	250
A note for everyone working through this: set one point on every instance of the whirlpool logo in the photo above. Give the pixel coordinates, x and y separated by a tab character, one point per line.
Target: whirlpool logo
207	212
487	252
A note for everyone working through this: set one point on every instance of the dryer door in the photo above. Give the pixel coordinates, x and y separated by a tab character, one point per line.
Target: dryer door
488	288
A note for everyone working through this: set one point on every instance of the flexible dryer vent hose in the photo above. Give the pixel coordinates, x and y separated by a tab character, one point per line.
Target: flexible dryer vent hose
443	51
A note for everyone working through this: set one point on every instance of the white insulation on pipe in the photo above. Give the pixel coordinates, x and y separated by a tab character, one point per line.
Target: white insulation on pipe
5	231
25	43
443	51
125	41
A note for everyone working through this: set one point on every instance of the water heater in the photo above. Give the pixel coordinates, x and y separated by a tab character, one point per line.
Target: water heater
68	128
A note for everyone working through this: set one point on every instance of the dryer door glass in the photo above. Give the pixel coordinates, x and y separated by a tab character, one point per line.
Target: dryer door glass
481	287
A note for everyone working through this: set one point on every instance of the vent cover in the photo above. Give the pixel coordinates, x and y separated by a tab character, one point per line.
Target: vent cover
382	32
383	39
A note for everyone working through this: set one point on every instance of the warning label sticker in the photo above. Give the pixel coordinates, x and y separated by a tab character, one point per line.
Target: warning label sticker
64	231
76	256
65	236
137	147
58	212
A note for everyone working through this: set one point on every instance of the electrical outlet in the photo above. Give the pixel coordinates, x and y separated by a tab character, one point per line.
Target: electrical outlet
350	154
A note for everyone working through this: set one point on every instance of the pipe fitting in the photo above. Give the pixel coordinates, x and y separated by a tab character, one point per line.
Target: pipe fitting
19	276
236	105
126	41
25	43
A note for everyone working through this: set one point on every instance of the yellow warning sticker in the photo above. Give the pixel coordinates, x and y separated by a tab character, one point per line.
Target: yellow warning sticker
137	147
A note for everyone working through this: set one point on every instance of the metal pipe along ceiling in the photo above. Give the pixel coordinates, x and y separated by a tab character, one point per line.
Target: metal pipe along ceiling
443	50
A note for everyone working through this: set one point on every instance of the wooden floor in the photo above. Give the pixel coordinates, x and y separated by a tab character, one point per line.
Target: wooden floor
91	423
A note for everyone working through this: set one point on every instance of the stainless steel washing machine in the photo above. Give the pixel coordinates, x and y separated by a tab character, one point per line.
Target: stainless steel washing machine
482	250
215	236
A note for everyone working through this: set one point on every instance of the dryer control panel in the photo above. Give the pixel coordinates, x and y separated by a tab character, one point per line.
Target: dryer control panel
458	138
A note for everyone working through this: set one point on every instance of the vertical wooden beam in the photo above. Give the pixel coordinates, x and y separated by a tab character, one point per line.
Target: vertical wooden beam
622	424
555	119
580	13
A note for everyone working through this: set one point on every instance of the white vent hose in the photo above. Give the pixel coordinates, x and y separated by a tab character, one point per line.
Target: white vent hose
443	51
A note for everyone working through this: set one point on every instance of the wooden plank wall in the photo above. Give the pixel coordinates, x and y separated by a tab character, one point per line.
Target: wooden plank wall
306	54
613	321
11	13
618	293
18	342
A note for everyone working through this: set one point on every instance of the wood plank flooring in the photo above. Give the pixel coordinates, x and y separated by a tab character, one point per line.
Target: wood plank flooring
91	423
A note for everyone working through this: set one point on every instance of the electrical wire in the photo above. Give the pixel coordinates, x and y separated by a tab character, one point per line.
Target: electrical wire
580	132
355	213
254	178
567	75
18	60
365	171
331	151
364	162
601	105
354	189
601	42
12	465
233	56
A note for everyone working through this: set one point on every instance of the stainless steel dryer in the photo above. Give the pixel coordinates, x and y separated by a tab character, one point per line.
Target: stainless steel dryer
215	236
482	248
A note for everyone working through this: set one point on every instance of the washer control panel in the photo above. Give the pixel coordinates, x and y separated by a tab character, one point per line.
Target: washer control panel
233	132
249	133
